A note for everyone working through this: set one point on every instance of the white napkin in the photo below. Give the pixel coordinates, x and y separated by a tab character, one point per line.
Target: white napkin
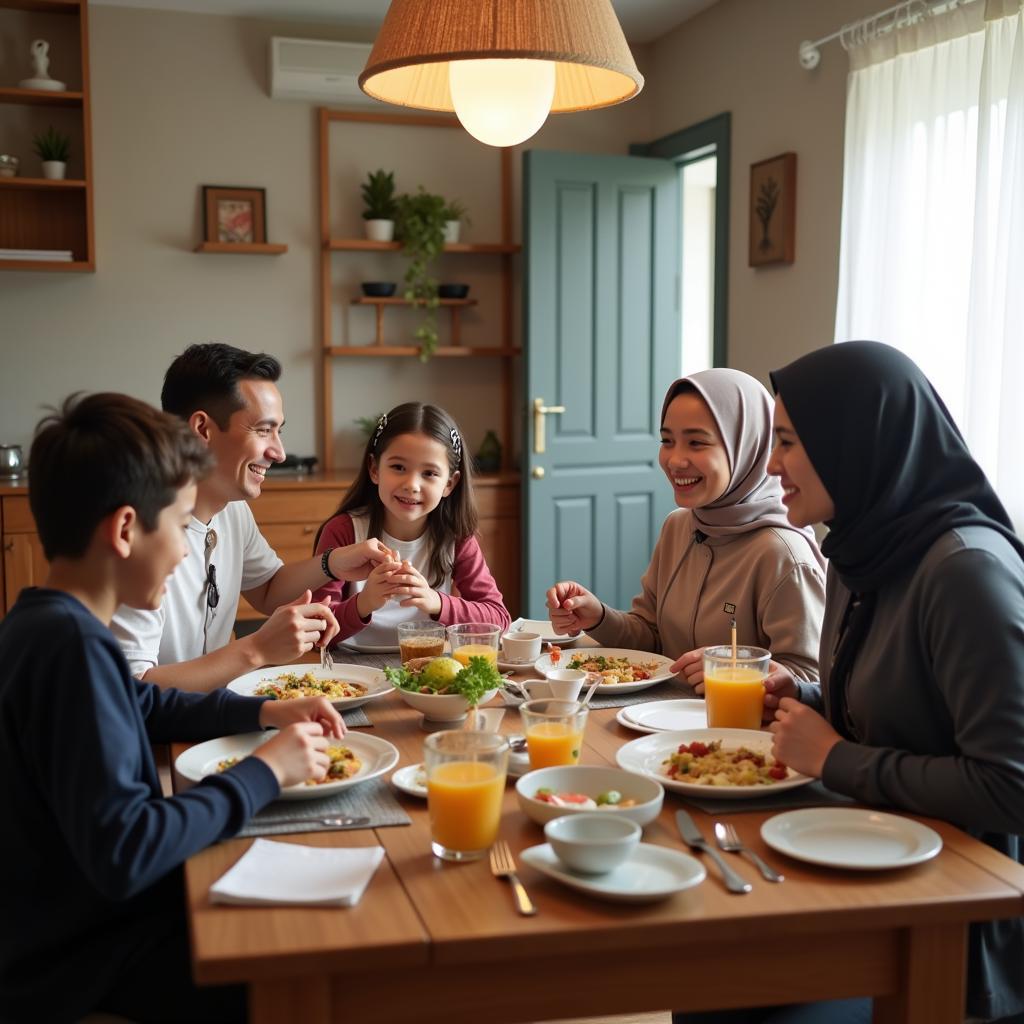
272	873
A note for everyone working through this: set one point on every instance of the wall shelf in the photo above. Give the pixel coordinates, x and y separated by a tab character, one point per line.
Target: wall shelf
366	245
42	184
243	248
41	97
79	266
455	306
404	351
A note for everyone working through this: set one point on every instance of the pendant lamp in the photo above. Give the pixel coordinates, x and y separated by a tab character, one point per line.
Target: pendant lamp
501	65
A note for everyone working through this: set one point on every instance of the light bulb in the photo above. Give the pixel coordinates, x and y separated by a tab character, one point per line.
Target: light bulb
502	102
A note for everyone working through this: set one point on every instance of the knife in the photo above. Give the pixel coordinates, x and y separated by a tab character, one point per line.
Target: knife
692	837
327	820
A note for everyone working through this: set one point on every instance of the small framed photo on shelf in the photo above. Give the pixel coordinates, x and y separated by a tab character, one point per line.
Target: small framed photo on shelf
234	215
773	211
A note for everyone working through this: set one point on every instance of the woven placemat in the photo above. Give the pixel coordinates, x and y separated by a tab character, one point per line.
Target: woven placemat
373	800
663	691
355	717
812	795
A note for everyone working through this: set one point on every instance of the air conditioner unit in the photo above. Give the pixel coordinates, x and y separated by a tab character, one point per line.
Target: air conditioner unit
314	69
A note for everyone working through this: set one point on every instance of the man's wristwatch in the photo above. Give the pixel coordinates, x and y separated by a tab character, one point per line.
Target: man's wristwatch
325	564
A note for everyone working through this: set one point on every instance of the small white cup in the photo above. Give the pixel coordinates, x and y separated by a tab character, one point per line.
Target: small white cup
592	843
561	684
522	648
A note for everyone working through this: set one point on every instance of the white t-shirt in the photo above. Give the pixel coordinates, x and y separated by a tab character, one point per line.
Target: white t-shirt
380	632
184	627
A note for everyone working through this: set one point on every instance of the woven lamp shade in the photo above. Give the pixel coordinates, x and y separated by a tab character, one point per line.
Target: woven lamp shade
409	62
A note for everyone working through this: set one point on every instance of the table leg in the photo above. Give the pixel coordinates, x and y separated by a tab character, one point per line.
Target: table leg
933	978
306	999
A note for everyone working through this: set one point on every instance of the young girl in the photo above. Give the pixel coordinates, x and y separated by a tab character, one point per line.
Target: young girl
414	492
728	552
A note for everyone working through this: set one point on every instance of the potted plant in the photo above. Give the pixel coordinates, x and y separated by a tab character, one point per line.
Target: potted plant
379	205
454	217
52	147
419	225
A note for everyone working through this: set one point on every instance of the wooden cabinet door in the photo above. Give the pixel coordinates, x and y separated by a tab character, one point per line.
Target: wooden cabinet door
24	565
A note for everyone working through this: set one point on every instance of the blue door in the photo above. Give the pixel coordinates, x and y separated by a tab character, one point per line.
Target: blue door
601	322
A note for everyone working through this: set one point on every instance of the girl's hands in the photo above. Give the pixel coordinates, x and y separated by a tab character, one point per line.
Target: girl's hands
417	593
297	753
573	608
357	561
803	738
277	714
379	588
691	667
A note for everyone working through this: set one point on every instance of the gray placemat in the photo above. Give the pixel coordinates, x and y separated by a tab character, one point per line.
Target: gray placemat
355	717
344	656
663	691
812	795
373	800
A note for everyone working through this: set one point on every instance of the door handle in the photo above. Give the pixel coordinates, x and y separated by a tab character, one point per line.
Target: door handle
540	410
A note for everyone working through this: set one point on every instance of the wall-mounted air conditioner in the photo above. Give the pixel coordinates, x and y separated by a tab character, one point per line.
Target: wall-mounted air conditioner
312	69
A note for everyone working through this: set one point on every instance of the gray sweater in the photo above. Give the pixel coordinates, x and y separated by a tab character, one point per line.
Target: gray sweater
936	702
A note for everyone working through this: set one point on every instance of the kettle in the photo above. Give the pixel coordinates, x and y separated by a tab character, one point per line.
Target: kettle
11	460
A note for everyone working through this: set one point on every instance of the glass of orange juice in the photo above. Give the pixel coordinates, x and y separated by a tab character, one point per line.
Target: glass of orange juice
474	640
734	687
465	785
554	731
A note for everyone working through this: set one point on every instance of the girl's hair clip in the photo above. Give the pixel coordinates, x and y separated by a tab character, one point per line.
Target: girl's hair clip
381	424
456	445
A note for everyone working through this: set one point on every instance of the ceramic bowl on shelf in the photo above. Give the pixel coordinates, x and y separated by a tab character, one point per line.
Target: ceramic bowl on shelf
452	291
8	165
378	289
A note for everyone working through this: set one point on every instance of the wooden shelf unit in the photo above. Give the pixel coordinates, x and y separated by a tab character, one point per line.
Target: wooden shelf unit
37	213
453	305
503	249
243	248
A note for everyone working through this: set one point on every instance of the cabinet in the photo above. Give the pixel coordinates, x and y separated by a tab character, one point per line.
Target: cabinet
450	346
24	564
36	213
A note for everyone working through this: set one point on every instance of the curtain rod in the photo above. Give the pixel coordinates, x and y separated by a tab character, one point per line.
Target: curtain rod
857	32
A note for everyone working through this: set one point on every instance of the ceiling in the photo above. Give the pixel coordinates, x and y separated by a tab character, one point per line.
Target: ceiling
642	20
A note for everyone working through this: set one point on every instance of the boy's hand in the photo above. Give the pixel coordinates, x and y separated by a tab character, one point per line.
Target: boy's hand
415	591
778	684
691	667
295	754
379	588
293	630
573	608
803	738
357	561
276	714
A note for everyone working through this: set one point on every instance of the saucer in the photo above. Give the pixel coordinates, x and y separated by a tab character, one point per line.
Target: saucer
518	762
515	666
649	873
405	780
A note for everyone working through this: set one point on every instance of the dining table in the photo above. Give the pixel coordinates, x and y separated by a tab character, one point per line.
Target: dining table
432	940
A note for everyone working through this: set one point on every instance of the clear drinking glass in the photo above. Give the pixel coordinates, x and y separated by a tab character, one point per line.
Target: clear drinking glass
465	786
554	731
474	640
734	687
423	638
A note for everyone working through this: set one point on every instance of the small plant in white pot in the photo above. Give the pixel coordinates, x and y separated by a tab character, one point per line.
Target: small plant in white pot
53	148
454	217
379	205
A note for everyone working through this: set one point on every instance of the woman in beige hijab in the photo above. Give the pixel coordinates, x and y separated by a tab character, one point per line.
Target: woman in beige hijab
728	552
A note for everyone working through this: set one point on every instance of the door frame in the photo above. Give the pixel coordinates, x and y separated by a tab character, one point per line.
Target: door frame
683	147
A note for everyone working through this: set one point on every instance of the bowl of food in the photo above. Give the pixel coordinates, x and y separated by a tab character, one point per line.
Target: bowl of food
443	689
378	289
549	793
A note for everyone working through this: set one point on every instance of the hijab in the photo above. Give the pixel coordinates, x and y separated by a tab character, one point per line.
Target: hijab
742	411
889	455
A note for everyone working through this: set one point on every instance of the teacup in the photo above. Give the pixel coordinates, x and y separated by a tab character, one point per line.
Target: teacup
521	648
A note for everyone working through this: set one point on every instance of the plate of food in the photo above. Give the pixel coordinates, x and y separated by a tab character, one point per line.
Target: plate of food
345	686
718	763
621	670
355	758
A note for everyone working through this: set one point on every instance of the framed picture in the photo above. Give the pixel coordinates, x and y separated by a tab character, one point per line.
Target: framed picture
234	214
773	211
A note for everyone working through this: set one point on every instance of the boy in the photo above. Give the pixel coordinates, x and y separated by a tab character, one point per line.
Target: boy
90	850
231	402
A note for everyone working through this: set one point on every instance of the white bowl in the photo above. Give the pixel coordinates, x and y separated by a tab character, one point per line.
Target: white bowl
440	707
592	843
591	780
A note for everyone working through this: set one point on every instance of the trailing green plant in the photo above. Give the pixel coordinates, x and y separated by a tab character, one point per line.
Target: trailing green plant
379	195
52	145
419	226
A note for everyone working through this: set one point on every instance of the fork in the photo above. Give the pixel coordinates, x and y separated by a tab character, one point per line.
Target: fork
326	659
728	839
503	865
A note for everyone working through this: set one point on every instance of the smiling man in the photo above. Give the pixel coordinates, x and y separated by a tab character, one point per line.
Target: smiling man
231	401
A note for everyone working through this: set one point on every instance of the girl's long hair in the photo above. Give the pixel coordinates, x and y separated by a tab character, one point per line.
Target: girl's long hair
454	519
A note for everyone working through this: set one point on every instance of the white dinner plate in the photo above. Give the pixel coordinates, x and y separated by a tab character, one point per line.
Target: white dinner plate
645	756
408	780
372	678
544	628
378	756
660	675
664	715
649	873
851	837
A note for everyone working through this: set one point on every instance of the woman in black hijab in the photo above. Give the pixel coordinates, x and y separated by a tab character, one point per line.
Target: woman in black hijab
921	703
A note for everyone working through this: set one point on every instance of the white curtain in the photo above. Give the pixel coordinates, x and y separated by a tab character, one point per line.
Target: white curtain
932	249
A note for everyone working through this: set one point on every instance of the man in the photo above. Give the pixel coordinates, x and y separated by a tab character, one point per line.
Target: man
231	402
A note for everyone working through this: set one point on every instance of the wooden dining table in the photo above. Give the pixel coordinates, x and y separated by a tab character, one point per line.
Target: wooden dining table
437	941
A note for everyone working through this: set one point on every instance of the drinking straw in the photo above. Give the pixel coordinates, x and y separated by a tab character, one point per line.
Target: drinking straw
734	643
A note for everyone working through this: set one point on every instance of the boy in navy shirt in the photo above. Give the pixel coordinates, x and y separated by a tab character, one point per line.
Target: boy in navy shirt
91	898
